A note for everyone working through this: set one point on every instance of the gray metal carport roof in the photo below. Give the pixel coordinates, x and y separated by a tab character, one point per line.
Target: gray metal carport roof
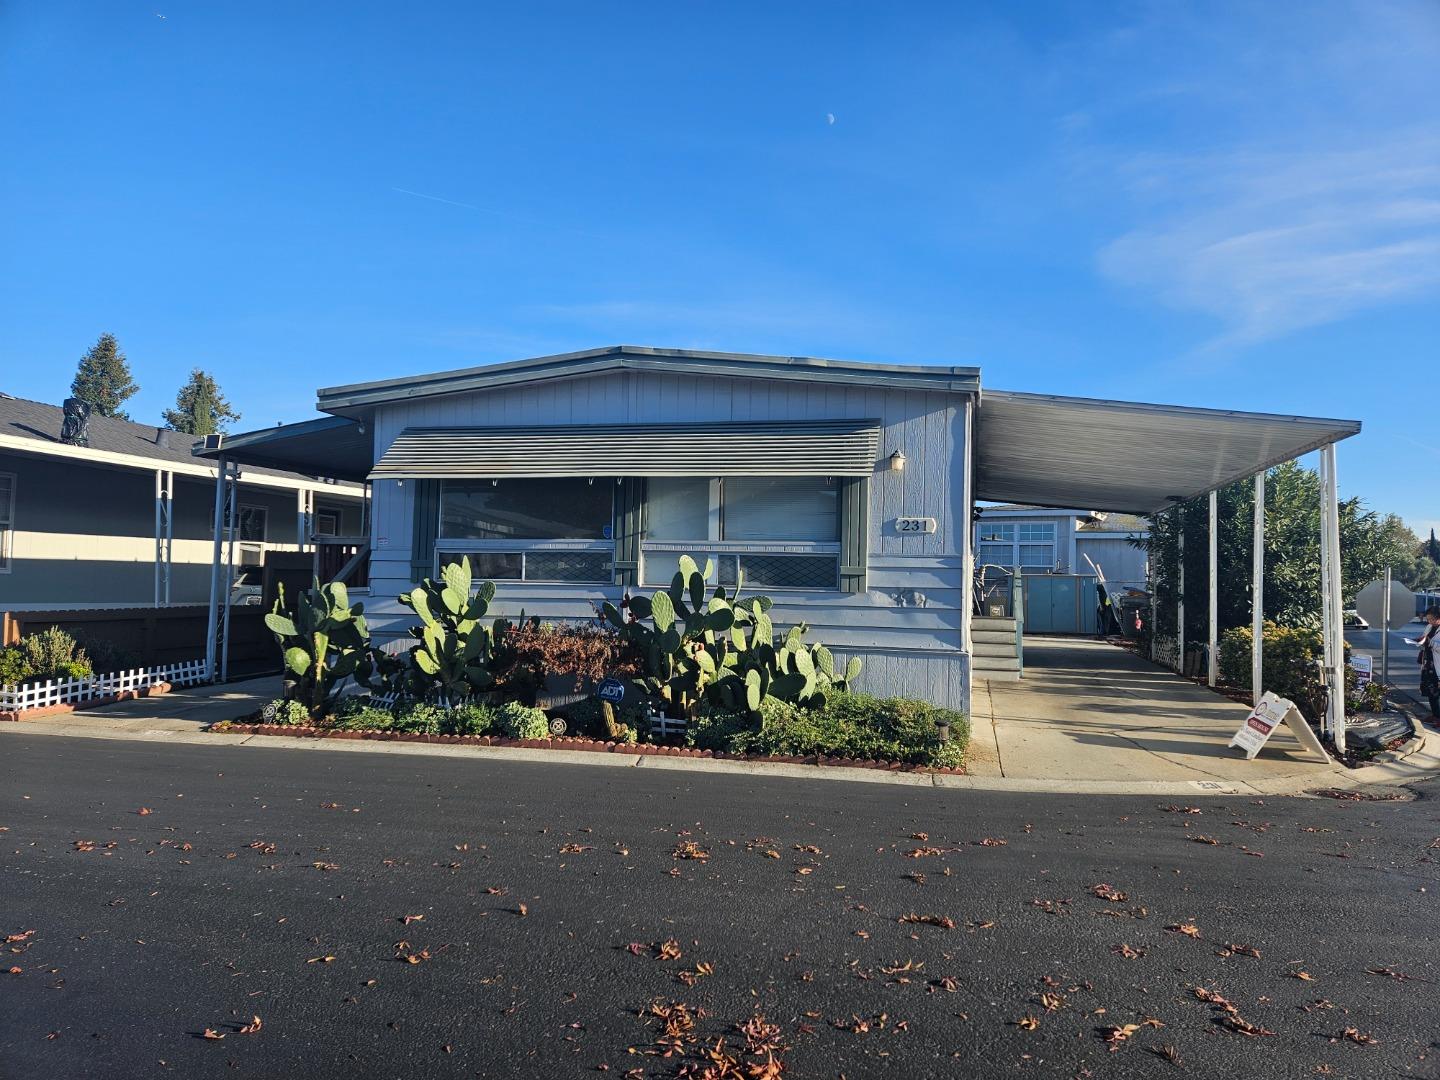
1125	456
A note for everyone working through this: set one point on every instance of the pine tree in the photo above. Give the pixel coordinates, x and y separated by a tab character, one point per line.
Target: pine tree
200	408
103	378
1432	548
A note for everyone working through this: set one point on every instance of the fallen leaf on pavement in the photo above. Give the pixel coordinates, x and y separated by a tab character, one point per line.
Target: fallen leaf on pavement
942	921
211	1033
252	1027
1355	1035
1117	1035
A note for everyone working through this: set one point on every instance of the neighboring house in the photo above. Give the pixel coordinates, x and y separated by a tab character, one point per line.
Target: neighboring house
842	490
1042	540
128	520
1112	542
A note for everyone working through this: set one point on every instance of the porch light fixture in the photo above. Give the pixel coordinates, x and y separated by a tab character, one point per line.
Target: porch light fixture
897	461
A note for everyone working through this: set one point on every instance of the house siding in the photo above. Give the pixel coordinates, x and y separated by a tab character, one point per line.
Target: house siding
1122	563
84	535
908	624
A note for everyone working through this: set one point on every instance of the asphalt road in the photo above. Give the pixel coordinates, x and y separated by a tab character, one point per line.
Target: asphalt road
155	892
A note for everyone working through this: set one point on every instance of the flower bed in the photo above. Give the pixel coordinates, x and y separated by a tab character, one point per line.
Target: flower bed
571	743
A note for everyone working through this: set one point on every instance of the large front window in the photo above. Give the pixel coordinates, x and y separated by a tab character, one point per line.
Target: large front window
539	529
778	531
1028	544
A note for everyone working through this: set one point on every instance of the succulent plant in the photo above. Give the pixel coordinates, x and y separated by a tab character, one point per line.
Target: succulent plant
697	645
324	641
451	659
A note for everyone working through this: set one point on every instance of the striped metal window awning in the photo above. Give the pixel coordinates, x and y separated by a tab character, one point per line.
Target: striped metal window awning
756	448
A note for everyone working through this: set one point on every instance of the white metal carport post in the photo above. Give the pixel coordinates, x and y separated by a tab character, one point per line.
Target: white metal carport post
212	622
1257	595
1330	581
1212	642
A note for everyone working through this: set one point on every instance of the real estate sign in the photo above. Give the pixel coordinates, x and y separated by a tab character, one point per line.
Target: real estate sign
1269	713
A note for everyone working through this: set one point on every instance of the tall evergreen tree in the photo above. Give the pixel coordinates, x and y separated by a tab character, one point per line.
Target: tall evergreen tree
200	408
1432	548
103	378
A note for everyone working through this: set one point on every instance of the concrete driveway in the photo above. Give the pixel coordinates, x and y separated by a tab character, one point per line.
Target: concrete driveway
1089	711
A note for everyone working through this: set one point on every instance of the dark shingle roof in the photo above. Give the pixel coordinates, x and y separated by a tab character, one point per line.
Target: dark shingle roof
40	422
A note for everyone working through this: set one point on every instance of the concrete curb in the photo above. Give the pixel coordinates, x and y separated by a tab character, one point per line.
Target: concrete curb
1420	765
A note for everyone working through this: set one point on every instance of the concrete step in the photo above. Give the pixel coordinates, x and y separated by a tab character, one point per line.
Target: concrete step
980	664
996	636
996	676
985	622
994	649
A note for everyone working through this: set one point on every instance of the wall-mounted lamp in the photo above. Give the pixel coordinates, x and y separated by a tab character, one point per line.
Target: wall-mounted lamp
897	461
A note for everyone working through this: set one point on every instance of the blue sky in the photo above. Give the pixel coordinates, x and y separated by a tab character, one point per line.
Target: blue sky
1232	205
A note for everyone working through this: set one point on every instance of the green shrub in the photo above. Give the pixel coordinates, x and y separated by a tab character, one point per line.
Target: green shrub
1290	657
365	718
281	711
715	728
14	668
54	654
420	718
106	655
1367	698
588	718
521	721
469	719
858	726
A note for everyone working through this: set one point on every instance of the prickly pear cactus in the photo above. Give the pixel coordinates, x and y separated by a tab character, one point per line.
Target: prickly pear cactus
323	641
451	660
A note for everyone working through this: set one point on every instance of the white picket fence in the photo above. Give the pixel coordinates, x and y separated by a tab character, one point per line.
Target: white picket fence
40	695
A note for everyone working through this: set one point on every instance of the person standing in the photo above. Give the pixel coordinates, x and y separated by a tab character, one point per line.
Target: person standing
1430	660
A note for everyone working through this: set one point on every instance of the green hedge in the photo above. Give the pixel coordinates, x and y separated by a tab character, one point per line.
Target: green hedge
849	725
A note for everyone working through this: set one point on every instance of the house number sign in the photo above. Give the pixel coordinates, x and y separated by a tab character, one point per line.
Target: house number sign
914	525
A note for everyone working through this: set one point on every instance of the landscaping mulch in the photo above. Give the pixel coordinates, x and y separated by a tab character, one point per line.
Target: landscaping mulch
570	742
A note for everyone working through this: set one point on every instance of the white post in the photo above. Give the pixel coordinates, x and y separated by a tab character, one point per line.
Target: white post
231	517
303	505
159	531
1335	628
1327	567
1180	590
213	620
1385	623
1257	595
1213	642
169	532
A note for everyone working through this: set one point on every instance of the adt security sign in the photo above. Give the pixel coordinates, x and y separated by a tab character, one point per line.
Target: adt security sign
611	690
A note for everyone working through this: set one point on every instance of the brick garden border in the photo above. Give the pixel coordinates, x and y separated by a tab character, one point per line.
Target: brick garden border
21	715
570	742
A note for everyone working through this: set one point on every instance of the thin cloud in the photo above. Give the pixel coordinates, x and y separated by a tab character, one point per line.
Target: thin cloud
1271	243
437	198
